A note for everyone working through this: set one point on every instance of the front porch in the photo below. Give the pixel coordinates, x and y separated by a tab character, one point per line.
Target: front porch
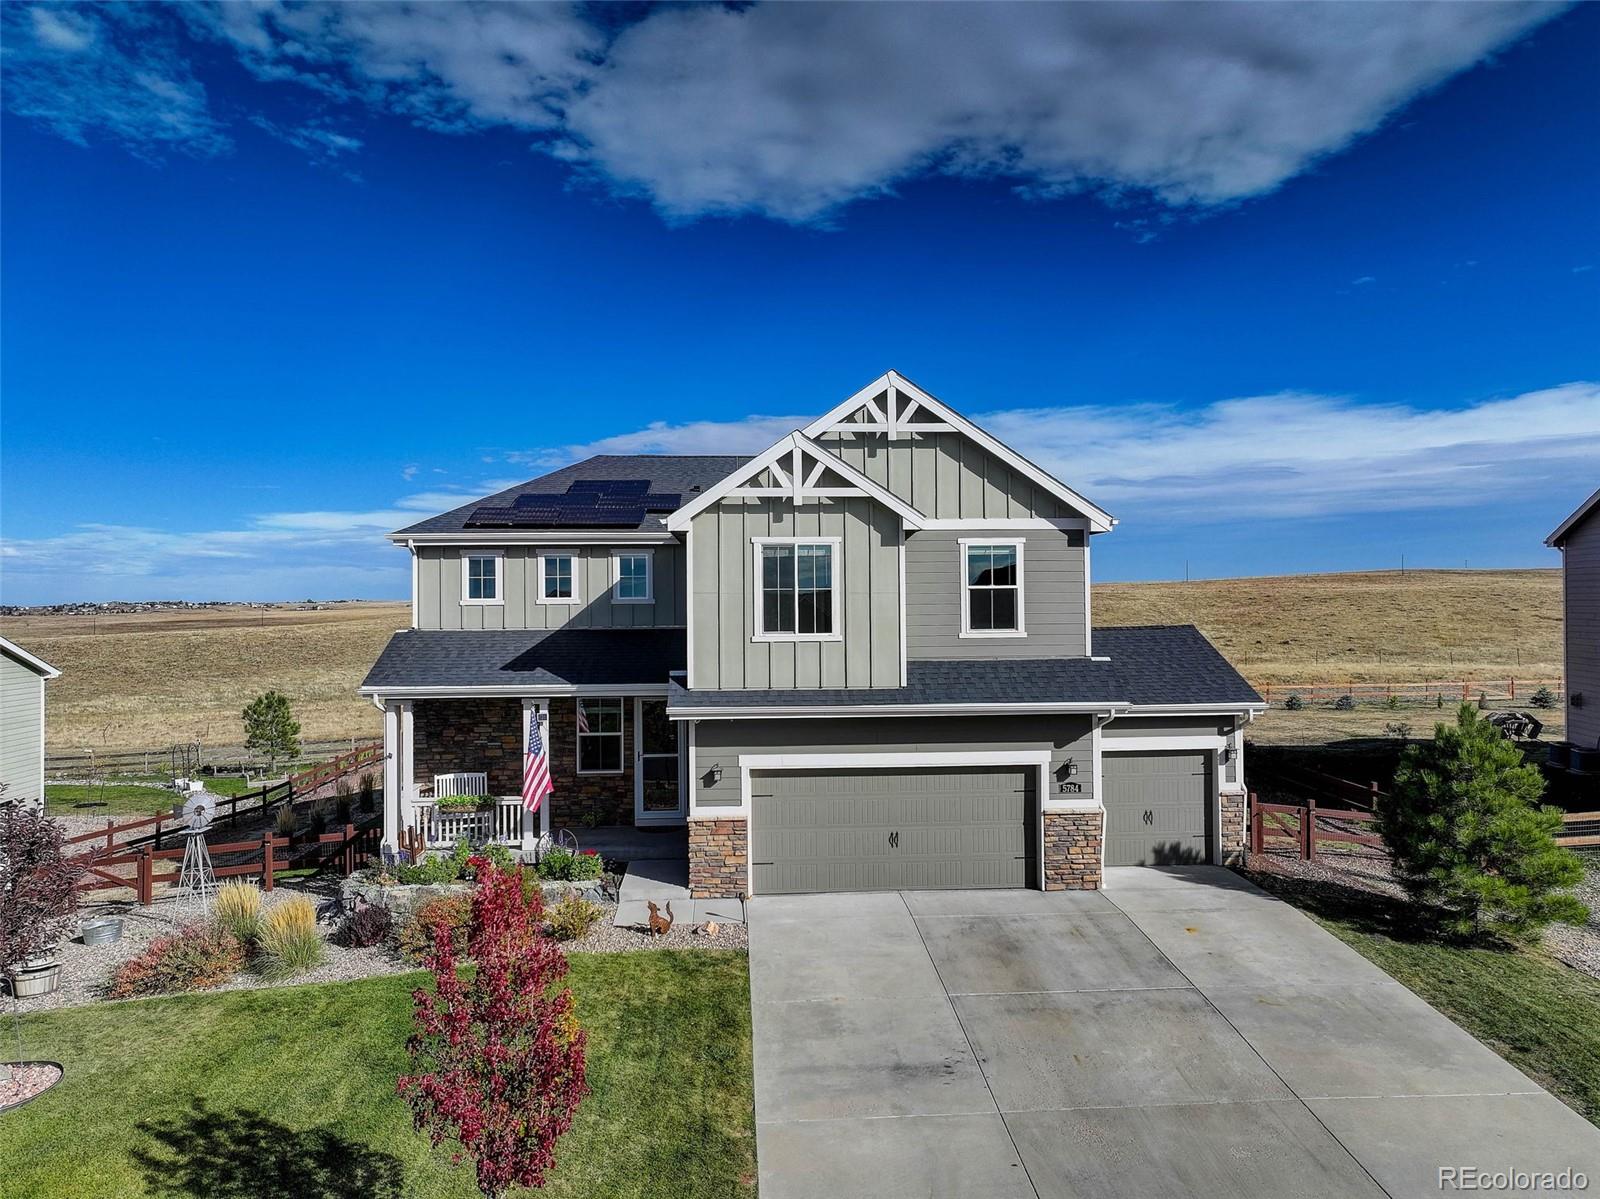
616	762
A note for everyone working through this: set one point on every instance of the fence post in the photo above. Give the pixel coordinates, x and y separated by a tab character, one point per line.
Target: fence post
1308	831
110	834
1257	833
349	849
1513	687
1372	794
266	860
147	877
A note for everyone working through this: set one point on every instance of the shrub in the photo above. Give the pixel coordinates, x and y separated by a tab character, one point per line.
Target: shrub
1294	703
571	918
239	911
462	803
1483	701
453	912
341	801
196	956
436	869
1344	703
290	942
497	1055
1543	698
370	924
318	824
285	820
560	865
501	858
1391	701
1398	729
591	818
38	885
1468	839
366	794
1438	701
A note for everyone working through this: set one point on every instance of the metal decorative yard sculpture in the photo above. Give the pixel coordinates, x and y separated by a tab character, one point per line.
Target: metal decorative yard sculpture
197	881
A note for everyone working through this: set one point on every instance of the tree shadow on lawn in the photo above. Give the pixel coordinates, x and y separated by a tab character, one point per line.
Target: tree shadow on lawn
243	1154
1353	905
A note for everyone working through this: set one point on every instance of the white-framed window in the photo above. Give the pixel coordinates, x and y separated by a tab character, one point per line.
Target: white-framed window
632	580
559	577
483	577
599	736
991	588
797	589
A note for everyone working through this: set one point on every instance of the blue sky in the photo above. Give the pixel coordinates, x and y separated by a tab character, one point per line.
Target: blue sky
1284	288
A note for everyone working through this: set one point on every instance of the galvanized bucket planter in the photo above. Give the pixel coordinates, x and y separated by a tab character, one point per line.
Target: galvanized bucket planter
101	931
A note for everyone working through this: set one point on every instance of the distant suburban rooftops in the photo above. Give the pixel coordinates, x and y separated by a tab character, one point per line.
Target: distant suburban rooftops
1148	666
653	479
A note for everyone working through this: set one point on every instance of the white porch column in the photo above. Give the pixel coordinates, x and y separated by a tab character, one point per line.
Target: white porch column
408	760
392	798
532	830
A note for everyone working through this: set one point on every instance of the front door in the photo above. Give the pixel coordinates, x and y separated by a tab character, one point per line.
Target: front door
658	784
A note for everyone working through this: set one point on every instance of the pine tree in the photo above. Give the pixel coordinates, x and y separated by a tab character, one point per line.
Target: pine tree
1470	839
270	728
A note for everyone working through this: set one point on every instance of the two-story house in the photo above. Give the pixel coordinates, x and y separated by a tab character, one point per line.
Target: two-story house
862	659
1578	539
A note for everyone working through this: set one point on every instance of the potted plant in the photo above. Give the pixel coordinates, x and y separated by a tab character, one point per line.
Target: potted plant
38	903
456	804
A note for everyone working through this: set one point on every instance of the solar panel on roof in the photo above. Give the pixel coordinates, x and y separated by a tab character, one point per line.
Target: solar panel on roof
587	503
609	486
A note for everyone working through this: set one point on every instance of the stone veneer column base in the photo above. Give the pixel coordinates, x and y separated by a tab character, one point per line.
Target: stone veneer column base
1234	830
1072	850
718	858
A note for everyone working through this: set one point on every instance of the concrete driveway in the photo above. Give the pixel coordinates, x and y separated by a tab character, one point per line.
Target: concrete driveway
1179	1034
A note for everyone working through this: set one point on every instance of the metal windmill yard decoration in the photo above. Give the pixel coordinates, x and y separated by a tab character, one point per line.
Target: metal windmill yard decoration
197	881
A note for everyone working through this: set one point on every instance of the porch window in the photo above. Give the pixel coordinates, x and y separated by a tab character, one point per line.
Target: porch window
992	586
481	578
632	583
599	736
558	579
798	593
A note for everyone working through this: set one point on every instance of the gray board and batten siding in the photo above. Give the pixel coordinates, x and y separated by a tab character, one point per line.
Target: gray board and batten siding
439	603
1580	560
727	653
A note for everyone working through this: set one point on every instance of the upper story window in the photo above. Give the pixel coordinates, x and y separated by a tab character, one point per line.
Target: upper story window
631	581
599	736
992	589
558	578
798	595
482	577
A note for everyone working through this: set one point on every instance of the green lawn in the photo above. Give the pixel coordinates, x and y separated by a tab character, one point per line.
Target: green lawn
119	799
289	1093
1536	1012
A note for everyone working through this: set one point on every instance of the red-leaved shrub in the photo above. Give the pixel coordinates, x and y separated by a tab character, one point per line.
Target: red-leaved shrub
194	957
498	1054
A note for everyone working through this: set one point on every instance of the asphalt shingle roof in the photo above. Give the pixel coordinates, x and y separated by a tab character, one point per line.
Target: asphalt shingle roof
683	475
527	657
1153	664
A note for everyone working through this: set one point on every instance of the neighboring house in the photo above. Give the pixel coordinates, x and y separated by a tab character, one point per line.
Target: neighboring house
1578	539
22	679
862	659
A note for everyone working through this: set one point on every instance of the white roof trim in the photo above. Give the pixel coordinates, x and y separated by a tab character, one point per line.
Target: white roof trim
1100	521
1566	526
34	663
803	712
526	690
772	457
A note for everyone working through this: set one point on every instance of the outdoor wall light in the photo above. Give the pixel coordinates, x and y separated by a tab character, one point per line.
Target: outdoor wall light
713	776
1069	768
1225	754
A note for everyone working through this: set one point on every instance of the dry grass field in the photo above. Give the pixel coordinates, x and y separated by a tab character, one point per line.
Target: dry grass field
149	679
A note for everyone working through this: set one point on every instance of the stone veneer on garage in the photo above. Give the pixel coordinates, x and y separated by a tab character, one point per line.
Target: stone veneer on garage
454	735
1072	850
718	858
1234	830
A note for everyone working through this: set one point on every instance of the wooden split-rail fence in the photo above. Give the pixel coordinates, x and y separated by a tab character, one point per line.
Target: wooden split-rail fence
346	850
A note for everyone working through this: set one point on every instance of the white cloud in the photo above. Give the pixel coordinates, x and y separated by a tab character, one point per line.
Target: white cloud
1289	455
114	71
795	110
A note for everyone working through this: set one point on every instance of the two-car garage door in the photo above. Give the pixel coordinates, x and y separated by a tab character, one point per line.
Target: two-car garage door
892	829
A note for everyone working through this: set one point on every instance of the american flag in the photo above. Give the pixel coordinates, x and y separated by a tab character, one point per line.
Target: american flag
535	767
583	718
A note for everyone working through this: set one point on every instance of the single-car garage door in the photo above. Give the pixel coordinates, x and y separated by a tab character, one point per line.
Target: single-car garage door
1158	808
891	829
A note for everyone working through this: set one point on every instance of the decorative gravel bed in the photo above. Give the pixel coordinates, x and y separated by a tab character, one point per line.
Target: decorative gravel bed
26	1081
1371	871
85	968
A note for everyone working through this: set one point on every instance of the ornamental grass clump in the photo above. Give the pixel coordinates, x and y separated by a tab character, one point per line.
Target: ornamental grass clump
239	911
497	1055
290	943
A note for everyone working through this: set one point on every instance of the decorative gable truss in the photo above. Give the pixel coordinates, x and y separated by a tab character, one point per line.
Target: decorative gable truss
896	408
796	469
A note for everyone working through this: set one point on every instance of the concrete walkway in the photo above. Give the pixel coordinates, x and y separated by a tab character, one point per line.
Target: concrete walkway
666	881
1179	1034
